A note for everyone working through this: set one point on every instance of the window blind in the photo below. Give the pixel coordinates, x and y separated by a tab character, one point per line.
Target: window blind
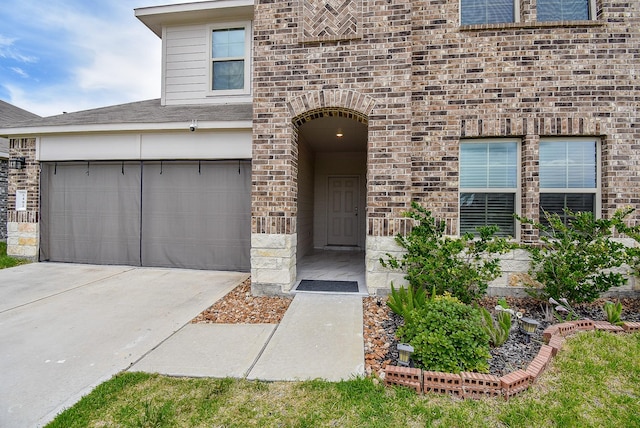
562	10
486	11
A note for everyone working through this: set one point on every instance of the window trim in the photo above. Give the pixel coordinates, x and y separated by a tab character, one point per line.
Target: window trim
516	15
596	191
591	9
246	90
516	191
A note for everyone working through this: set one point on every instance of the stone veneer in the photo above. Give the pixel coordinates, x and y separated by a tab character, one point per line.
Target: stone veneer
273	263
422	82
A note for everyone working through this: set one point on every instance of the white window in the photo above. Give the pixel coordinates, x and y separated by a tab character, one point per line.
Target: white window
564	10
489	177
230	59
569	176
487	11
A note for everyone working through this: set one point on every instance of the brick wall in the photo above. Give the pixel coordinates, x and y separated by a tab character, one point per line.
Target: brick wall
4	175
297	70
434	82
421	82
526	80
23	226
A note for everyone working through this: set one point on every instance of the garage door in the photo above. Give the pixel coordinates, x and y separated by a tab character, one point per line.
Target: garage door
188	214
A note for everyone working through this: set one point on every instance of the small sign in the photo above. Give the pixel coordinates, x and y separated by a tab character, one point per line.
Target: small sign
21	200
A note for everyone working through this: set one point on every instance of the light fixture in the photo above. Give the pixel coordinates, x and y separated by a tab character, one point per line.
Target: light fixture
404	354
17	163
528	326
339	133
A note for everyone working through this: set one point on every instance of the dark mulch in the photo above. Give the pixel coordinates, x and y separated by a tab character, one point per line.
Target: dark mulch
516	353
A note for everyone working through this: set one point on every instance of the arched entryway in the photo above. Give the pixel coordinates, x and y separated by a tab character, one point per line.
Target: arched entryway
332	194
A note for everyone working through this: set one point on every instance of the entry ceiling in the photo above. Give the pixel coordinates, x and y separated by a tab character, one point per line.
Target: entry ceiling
320	134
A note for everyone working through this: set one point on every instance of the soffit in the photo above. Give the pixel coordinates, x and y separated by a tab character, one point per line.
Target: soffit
156	17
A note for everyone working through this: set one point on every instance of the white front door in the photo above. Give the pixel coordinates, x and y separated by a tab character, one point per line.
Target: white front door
342	215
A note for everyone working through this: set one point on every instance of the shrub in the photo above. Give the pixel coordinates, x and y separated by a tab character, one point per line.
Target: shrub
462	266
447	336
575	259
403	300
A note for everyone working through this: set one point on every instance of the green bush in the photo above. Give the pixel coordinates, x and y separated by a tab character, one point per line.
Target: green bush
462	266
403	300
447	336
576	259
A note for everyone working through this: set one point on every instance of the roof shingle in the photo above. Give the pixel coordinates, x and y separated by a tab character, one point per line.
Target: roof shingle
149	111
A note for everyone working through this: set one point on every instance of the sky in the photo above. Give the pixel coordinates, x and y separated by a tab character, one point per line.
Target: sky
69	55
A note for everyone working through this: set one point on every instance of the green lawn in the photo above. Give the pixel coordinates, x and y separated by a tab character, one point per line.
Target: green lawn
594	382
6	261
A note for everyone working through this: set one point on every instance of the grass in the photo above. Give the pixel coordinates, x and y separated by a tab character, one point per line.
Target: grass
7	261
593	382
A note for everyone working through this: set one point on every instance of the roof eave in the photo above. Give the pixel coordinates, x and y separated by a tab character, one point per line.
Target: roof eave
155	17
123	127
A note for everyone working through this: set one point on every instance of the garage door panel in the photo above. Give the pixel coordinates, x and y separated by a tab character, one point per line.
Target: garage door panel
91	212
185	214
197	214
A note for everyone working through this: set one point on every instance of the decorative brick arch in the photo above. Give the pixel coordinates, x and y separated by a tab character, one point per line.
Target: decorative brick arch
309	115
337	101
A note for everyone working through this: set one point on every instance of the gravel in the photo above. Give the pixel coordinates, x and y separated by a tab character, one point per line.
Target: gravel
239	306
380	325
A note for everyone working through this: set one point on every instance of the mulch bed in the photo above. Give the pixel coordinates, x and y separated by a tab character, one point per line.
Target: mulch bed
240	307
515	353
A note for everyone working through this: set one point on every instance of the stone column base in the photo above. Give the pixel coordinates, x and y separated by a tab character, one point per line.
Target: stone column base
273	263
378	278
23	240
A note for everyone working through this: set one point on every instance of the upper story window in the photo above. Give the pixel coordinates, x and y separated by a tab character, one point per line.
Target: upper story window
230	59
563	10
487	11
489	174
568	176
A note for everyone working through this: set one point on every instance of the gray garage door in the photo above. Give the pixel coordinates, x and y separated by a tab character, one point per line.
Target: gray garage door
188	214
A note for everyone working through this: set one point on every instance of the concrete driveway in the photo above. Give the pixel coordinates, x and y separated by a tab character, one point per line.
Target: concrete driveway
65	328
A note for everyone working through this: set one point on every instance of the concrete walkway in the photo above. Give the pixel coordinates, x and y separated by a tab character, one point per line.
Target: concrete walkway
66	328
320	336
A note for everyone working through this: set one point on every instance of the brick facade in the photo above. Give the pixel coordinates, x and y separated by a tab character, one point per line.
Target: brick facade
4	177
420	83
423	83
23	226
526	80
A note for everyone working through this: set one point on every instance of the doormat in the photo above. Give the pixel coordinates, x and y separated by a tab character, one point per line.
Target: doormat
328	286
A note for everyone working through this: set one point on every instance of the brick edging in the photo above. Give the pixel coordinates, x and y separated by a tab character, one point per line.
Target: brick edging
478	385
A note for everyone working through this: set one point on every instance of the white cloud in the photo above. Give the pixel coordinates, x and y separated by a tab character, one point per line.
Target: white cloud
6	41
8	51
110	57
123	57
107	56
20	72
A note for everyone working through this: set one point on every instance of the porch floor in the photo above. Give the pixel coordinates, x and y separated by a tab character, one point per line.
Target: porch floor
333	265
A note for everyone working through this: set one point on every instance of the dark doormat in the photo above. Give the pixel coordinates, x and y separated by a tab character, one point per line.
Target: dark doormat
328	286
